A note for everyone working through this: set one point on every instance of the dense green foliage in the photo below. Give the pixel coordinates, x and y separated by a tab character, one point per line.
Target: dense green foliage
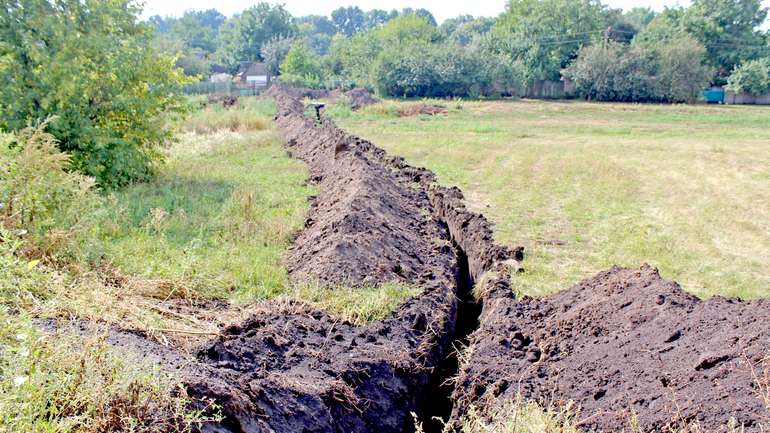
666	72
544	35
89	64
251	30
752	77
532	41
300	67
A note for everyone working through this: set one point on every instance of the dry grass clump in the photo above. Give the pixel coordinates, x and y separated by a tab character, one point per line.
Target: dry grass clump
248	115
55	383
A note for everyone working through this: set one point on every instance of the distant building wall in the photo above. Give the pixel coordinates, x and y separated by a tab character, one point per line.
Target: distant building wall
546	89
745	98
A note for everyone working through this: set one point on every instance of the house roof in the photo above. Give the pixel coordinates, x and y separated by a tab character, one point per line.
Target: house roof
253	69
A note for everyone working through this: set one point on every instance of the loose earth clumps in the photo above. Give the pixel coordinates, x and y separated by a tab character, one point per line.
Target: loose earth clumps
623	345
375	220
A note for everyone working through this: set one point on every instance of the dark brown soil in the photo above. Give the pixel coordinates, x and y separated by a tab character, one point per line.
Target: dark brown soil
624	342
374	220
226	101
417	109
358	97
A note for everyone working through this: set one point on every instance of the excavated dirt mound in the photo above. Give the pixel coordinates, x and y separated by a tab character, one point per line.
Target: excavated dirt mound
374	220
360	98
417	109
624	342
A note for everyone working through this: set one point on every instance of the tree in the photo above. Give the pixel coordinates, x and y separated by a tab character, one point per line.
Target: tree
424	13
612	72
752	77
253	28
681	72
639	17
348	20
729	29
274	52
406	28
377	17
89	64
317	31
670	71
545	35
301	67
199	29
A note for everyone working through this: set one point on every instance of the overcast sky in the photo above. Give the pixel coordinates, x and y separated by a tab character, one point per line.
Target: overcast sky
441	9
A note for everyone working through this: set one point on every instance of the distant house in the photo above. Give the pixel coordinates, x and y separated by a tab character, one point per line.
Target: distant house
254	73
221	78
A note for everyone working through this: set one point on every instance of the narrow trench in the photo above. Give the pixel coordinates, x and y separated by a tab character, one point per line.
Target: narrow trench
437	406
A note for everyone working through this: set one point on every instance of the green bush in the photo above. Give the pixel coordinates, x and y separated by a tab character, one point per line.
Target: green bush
421	69
665	71
301	67
752	77
90	64
612	72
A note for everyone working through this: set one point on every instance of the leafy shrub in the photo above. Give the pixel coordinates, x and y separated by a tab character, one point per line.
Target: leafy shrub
440	70
39	199
612	72
681	72
90	64
752	77
301	67
21	282
670	71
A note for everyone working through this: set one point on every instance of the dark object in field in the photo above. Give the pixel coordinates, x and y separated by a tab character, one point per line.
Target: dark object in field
622	343
227	101
421	108
360	97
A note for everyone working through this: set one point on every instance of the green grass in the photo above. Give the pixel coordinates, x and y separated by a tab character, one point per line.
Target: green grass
684	188
217	221
217	218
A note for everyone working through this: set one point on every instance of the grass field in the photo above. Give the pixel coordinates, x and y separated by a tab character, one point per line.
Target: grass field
218	218
584	186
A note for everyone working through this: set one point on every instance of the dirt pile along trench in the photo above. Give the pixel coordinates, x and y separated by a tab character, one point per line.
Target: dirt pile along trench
624	343
621	343
375	219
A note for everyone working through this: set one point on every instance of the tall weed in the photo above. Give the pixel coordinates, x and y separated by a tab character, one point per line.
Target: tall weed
41	202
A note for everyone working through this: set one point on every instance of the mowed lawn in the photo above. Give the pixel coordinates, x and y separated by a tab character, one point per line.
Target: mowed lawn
583	186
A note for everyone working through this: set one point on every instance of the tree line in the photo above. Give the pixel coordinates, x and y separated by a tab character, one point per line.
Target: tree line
610	54
106	84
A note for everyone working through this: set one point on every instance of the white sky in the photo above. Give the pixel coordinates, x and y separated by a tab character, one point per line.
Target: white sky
441	9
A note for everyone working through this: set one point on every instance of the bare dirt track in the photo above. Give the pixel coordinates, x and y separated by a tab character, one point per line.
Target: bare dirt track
624	343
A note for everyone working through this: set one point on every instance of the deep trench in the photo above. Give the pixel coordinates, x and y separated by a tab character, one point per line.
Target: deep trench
437	396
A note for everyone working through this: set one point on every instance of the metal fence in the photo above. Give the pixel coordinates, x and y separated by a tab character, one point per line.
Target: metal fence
226	88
